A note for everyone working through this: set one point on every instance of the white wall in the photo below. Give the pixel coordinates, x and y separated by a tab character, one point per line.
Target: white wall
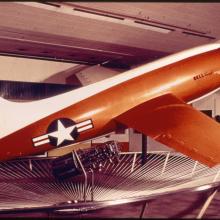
31	70
117	137
217	103
207	103
156	146
135	141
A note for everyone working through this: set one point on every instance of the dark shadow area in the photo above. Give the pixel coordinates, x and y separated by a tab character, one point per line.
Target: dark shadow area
28	91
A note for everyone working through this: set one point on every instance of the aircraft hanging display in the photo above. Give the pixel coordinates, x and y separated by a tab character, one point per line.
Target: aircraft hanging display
153	99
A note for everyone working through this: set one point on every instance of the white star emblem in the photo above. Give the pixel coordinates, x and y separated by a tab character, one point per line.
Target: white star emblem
62	133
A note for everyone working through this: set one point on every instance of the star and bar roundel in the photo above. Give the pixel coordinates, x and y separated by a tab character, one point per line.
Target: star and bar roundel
62	131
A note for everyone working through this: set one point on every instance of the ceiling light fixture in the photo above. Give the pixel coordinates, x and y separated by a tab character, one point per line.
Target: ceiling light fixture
100	16
121	20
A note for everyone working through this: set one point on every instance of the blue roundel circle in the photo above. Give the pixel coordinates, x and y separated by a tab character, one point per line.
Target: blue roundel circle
62	131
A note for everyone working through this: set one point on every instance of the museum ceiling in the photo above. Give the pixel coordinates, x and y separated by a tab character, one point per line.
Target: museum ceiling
112	34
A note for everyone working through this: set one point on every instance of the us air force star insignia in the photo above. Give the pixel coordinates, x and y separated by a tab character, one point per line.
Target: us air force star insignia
62	131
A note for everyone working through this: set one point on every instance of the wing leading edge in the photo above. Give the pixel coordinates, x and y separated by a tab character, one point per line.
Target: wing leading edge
176	124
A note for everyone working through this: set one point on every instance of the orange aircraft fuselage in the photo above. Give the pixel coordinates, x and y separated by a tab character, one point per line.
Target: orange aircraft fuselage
187	79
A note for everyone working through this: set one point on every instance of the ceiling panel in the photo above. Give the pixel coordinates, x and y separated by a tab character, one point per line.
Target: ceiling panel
63	33
195	16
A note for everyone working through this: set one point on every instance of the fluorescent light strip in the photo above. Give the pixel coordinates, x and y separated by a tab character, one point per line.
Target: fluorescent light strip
123	21
112	18
155	26
146	26
127	22
98	16
50	4
98	13
198	35
66	9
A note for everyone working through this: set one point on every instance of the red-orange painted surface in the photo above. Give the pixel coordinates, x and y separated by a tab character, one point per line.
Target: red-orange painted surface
187	79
